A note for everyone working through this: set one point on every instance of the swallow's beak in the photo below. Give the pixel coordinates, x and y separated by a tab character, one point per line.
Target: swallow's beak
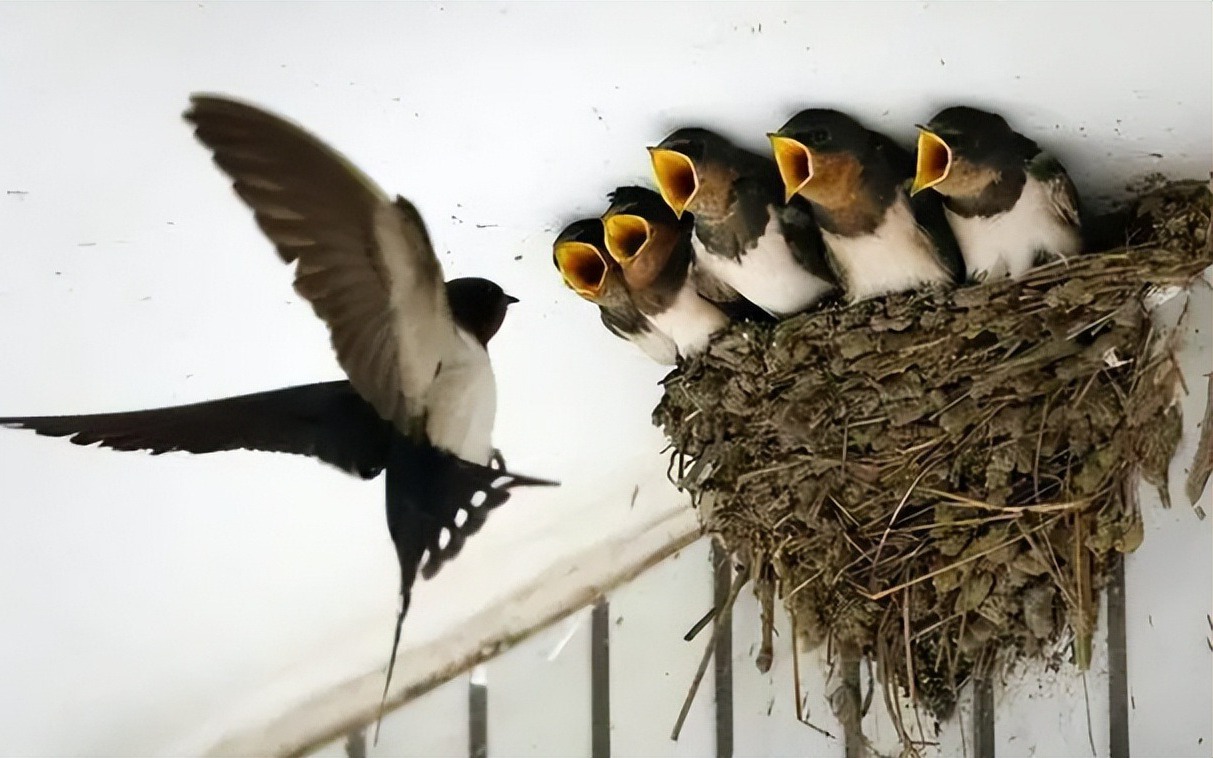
510	299
934	160
582	266
676	178
626	235
795	162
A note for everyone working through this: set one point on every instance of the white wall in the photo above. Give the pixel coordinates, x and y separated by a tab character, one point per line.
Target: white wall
152	605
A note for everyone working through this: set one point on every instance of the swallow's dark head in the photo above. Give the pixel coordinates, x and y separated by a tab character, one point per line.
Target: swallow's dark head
688	166
478	306
963	150
820	154
641	232
579	253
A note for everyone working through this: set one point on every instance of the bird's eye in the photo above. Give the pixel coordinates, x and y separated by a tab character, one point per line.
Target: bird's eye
820	136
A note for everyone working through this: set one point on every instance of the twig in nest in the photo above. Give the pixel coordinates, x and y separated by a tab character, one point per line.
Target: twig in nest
957	564
723	616
892	520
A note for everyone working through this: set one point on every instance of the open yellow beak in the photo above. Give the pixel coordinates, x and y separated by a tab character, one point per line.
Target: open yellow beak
934	161
676	178
795	162
626	236
582	266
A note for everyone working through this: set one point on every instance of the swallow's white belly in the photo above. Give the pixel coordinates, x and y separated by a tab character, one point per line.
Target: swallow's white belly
1008	244
656	345
897	257
690	320
462	402
767	274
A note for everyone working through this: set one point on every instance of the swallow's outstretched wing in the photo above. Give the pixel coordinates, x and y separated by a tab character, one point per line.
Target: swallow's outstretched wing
362	260
328	421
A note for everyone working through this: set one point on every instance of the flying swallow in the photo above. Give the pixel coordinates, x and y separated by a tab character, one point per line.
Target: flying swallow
653	250
580	255
857	180
746	236
421	397
1010	204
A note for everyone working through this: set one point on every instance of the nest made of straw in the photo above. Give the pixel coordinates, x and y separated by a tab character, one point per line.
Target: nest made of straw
938	480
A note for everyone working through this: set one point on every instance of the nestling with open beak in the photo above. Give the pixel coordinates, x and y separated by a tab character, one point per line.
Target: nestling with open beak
745	235
879	240
1011	205
654	252
589	270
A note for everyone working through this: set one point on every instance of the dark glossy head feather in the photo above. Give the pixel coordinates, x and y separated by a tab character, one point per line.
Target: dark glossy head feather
478	305
643	202
981	137
698	144
826	130
587	230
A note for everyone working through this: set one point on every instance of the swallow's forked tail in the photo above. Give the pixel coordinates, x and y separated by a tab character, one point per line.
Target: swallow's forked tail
435	501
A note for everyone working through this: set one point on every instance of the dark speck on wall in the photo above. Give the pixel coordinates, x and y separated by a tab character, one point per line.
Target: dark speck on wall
517	257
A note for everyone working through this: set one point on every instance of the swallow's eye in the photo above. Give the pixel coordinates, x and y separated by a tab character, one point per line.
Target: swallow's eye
819	136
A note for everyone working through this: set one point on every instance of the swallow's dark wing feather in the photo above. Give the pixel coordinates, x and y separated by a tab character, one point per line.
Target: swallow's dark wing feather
364	262
927	207
328	421
804	237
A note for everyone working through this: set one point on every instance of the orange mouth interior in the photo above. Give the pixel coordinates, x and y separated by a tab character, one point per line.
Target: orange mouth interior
795	162
582	266
934	161
626	236
676	178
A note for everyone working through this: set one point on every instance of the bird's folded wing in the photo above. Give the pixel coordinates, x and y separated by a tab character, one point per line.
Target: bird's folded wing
1063	196
364	263
328	421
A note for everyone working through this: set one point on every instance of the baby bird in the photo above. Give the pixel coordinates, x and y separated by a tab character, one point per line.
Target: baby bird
654	252
1010	204
746	236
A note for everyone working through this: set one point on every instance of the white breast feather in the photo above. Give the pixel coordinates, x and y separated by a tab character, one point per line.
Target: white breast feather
898	256
767	274
656	345
690	320
1008	244
462	401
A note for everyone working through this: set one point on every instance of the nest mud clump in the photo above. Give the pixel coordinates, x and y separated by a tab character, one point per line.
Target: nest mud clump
939	480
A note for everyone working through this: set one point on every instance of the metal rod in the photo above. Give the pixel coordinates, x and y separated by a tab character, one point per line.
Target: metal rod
600	680
723	655
1118	664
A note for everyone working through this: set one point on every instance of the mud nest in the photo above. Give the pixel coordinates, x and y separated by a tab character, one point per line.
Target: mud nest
939	481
